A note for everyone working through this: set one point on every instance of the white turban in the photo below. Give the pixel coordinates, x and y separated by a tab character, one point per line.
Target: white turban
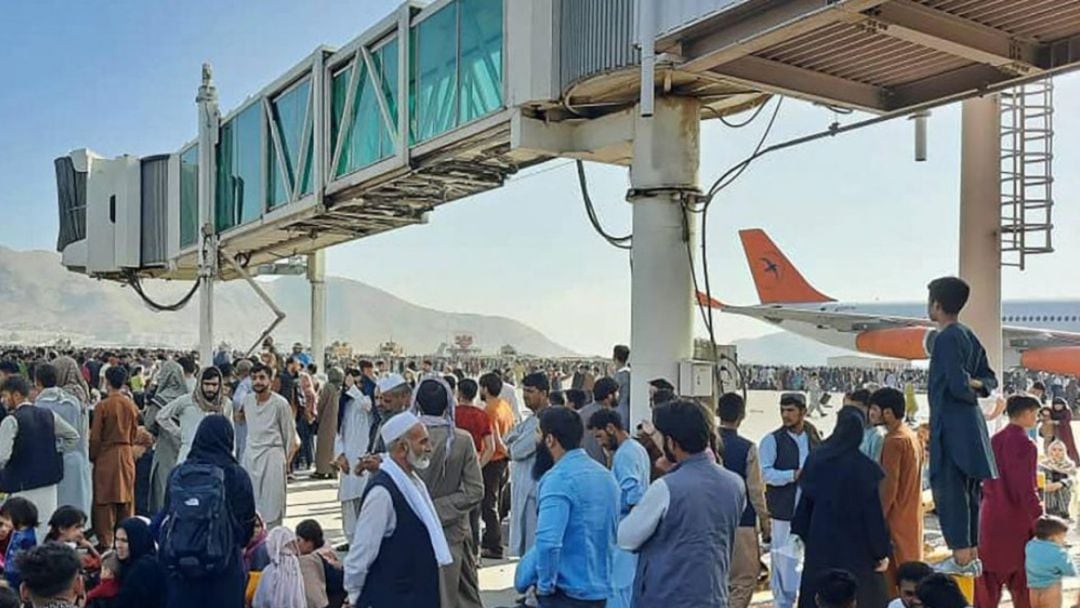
390	382
399	424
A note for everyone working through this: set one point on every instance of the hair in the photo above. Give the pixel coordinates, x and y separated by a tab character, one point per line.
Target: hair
685	423
537	380
188	364
21	512
940	591
951	293
664	395
431	398
468	388
890	399
576	397
913	572
557	398
355	373
1048	526
311	531
603	417
1038	386
9	598
365	364
261	368
16	383
859	395
491	383
836	589
731	407
45	374
64	517
604	388
9	367
621	353
793	400
452	380
1018	404
48	570
564	425
116	376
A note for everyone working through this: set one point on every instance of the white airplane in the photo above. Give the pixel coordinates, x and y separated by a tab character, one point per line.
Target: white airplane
1038	335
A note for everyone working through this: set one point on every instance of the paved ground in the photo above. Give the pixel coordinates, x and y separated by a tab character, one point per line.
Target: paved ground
318	500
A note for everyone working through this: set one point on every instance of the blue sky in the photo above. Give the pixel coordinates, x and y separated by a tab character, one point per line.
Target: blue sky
855	213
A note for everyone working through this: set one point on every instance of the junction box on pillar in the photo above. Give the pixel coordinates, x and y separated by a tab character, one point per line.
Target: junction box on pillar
980	221
663	173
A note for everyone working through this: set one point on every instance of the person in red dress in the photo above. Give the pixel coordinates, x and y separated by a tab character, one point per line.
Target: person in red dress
1010	507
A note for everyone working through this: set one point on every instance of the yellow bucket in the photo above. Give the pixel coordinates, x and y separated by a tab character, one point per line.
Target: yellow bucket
967	585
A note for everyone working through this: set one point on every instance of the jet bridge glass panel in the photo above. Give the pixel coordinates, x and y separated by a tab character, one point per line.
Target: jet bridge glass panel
189	196
367	137
292	120
481	61
240	169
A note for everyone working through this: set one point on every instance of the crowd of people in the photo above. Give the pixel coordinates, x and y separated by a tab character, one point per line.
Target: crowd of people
143	480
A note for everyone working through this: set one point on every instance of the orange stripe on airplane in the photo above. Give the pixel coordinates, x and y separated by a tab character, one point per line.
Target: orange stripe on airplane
900	342
1054	360
776	278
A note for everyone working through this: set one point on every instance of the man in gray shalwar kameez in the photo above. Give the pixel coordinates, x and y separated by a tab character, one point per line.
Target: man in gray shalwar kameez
521	441
171	385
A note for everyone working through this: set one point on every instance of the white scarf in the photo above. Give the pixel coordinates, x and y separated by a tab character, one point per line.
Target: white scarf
419	500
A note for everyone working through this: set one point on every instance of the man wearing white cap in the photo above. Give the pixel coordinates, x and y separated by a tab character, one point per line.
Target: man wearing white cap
396	554
395	396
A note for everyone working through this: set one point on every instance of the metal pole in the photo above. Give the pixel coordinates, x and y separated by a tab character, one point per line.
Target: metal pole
664	167
980	221
316	273
209	120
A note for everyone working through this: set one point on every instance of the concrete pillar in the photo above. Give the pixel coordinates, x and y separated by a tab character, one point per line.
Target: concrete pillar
980	221
664	166
316	274
209	119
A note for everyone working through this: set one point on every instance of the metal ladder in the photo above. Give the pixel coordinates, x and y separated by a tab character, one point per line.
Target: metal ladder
1027	154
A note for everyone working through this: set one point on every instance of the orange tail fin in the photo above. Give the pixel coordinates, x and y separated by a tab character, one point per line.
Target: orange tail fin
776	278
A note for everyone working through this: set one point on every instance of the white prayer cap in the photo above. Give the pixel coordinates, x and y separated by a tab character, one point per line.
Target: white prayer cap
398	425
390	382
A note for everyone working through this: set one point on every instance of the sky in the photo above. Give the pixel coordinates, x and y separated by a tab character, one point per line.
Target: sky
860	219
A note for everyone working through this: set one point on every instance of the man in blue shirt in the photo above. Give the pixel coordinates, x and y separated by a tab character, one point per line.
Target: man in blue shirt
578	504
960	453
631	466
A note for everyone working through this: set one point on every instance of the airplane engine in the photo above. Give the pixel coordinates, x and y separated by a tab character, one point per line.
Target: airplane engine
1055	360
900	342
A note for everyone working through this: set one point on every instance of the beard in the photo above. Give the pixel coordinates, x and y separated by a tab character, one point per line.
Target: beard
210	397
543	461
668	454
418	461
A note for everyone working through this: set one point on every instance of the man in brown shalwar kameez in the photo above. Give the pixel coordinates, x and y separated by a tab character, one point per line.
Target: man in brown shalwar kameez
112	435
328	424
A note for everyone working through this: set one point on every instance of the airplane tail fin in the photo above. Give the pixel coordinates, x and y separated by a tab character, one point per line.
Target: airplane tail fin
776	278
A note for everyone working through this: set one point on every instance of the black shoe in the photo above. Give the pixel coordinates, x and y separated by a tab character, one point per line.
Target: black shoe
491	554
342	548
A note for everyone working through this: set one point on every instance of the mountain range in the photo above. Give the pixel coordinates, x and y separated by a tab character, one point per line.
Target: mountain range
43	302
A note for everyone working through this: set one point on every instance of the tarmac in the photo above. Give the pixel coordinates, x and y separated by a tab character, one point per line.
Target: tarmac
317	499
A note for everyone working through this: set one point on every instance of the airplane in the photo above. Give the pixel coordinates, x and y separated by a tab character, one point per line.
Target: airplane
1040	335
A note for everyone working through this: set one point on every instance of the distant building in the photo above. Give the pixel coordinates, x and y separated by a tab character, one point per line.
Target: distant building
863	362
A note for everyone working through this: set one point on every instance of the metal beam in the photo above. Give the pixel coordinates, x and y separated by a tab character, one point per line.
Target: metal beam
934	29
760	30
970	78
785	79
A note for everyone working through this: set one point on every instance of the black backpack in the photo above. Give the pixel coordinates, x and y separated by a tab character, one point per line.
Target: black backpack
197	537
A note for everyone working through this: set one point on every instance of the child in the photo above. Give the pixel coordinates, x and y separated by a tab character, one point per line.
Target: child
9	598
1047	561
1047	430
1060	474
310	542
22	516
908	577
836	589
106	593
941	591
66	526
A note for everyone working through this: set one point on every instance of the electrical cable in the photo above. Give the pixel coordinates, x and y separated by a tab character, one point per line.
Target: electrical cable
739	125
622	242
136	285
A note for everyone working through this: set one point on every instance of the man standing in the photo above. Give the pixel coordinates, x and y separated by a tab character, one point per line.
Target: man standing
74	489
570	563
456	488
395	556
299	354
960	454
621	357
684	528
351	442
783	453
181	418
112	439
741	458
630	466
1010	507
605	396
521	444
901	490
495	475
243	389
395	396
329	400
270	432
873	437
31	464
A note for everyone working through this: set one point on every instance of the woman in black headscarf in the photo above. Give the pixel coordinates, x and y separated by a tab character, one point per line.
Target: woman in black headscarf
213	444
140	573
839	516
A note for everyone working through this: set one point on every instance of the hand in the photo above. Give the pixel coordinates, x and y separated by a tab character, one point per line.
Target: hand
647	427
975	384
368	463
1053	486
342	463
798	474
882	566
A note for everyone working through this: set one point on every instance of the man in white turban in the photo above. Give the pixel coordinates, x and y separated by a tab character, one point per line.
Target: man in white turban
399	546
